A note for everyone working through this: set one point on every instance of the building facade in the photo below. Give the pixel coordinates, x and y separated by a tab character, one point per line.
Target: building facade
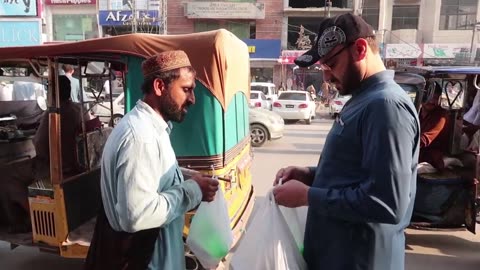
70	20
410	32
20	23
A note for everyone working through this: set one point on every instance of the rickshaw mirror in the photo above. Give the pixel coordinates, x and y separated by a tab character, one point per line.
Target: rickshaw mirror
475	82
42	103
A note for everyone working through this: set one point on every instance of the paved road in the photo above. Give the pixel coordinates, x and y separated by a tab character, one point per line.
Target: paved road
301	145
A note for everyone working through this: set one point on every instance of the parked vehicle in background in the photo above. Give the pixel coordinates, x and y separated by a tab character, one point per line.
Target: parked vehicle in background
336	104
108	116
264	125
268	89
295	105
259	100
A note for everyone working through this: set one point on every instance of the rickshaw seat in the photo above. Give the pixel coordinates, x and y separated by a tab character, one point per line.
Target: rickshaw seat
82	197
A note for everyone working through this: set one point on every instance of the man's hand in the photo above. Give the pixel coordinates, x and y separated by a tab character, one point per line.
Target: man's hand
301	174
208	186
291	194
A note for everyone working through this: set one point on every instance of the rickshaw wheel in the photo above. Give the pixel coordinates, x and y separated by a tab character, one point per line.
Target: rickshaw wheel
258	135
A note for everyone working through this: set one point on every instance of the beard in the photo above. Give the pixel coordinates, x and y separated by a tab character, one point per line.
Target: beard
350	81
170	110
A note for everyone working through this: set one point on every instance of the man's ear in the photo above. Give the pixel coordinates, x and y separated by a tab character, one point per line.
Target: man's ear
158	87
361	48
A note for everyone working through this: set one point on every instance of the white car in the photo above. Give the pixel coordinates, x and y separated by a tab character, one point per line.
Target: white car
295	105
336	104
264	125
103	111
268	89
259	100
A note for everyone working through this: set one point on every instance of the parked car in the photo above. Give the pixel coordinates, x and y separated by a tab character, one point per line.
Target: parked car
102	110
336	104
264	125
295	105
259	100
268	89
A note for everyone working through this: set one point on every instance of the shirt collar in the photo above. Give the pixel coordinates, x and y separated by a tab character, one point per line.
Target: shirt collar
158	121
384	75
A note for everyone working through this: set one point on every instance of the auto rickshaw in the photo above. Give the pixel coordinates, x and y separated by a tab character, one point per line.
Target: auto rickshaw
213	139
446	198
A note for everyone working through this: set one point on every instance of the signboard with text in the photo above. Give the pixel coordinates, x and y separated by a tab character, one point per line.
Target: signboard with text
445	50
126	17
264	48
18	8
20	33
224	10
402	50
70	2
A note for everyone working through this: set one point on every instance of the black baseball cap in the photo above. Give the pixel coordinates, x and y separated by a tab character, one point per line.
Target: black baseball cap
341	29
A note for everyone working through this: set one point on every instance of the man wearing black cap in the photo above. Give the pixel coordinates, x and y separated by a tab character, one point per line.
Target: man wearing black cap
361	193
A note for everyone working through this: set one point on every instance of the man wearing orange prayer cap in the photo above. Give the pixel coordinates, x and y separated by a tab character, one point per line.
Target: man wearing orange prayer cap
144	194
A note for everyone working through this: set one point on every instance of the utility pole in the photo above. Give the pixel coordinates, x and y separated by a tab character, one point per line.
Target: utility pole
328	5
473	47
163	19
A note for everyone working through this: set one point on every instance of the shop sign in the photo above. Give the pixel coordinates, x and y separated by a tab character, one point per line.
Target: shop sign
263	48
70	2
451	50
288	56
224	10
20	33
126	17
18	8
402	50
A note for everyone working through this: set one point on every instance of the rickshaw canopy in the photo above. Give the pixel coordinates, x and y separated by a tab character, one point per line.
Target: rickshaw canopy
211	54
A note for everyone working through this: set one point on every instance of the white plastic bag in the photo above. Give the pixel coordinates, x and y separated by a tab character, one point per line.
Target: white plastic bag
296	219
210	237
268	243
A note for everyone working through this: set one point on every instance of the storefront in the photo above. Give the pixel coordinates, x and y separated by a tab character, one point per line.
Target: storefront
71	20
296	78
20	24
118	22
264	55
403	54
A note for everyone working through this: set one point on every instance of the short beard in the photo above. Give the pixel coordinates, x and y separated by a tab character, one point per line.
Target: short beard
169	110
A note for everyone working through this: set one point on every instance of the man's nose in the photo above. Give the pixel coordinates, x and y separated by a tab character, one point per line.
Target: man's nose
191	98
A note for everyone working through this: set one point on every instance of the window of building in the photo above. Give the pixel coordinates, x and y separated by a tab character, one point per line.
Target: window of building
405	17
320	3
458	14
310	30
74	27
370	12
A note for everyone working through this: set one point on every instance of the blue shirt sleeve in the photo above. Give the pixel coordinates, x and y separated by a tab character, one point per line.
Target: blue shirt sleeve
390	135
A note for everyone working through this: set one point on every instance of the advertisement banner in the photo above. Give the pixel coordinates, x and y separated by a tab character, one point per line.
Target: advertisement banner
70	2
402	50
450	50
125	17
18	8
20	33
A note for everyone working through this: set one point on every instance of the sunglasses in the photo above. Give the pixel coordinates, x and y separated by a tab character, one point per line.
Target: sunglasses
324	63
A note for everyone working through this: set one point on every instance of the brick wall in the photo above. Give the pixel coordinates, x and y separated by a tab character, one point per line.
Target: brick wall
271	26
268	28
177	23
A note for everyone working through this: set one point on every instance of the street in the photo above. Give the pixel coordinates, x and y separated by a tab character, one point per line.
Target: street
301	145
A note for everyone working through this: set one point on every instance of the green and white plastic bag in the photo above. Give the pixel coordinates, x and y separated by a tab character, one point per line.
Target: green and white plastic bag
268	243
210	237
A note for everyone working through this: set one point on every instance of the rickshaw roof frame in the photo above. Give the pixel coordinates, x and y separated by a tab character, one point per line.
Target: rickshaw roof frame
439	71
220	59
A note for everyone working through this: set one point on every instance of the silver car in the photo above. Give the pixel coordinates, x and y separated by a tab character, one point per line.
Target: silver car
264	125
